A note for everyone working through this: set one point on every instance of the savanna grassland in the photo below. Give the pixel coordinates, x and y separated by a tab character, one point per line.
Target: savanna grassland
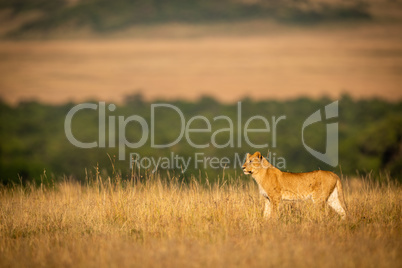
280	58
161	222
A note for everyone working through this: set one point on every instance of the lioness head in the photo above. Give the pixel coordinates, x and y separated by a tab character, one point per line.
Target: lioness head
254	163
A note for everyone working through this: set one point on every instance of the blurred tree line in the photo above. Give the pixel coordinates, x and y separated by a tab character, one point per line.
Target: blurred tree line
33	138
104	16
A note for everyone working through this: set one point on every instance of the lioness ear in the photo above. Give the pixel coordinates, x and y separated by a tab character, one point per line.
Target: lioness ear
258	154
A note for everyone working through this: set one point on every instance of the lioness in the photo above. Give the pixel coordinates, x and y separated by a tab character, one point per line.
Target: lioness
275	185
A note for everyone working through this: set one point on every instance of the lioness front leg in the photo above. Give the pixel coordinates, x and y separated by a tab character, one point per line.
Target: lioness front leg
271	209
268	209
274	209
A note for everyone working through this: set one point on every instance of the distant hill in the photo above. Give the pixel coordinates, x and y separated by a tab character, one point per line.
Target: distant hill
102	16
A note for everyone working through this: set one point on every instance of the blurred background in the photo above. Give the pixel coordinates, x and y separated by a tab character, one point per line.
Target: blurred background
277	57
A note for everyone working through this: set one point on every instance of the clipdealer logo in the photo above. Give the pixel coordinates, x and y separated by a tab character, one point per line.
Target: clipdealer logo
331	149
148	130
238	134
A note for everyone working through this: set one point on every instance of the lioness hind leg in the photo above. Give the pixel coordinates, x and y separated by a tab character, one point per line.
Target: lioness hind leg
333	201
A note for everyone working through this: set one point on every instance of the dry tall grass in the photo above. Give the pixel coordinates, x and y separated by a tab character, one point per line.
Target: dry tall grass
164	223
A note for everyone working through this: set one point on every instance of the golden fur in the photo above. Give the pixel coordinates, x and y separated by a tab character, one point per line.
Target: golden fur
320	186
